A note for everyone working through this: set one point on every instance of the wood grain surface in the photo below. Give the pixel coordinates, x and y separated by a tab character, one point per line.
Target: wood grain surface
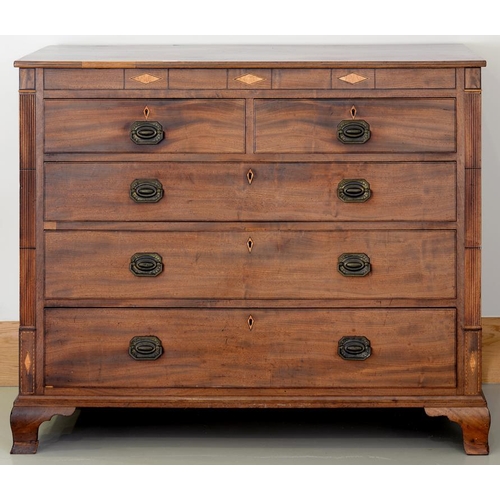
9	367
397	125
301	56
277	192
491	352
279	348
281	265
190	125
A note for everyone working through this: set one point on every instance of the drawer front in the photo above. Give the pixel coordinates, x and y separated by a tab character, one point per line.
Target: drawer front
105	125
250	264
197	79
413	348
396	125
250	192
83	79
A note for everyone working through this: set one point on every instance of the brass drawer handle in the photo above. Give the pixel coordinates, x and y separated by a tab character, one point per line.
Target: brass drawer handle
354	348
146	190
354	264
146	264
354	190
145	132
145	348
353	132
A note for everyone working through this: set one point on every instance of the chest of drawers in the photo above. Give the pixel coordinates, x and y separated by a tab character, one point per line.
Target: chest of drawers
250	227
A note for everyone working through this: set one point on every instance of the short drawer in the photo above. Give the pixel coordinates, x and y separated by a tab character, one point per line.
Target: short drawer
155	348
258	264
395	125
250	192
82	79
145	126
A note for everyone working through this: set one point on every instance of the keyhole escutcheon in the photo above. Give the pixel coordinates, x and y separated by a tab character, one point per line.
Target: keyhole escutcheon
250	322
250	176
250	245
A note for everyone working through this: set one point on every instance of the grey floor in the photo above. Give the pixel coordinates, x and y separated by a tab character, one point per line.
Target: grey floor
135	436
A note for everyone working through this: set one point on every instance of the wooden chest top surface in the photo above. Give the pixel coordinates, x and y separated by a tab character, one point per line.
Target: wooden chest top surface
303	56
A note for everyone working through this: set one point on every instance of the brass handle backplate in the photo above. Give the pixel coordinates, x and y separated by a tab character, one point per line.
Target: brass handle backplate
354	348
146	190
354	264
354	190
146	132
146	264
145	348
353	132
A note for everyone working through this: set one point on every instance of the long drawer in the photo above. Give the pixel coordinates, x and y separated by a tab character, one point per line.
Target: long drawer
258	264
413	348
107	125
250	192
396	125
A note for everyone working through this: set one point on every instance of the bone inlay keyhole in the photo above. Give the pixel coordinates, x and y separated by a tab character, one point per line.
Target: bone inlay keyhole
250	245
250	176
354	112
146	112
250	322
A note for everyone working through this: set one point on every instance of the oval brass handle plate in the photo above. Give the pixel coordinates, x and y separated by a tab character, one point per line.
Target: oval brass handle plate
354	264
146	264
353	132
146	132
354	190
146	190
145	348
354	348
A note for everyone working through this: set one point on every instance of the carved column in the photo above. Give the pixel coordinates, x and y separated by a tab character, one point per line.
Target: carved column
27	329
472	318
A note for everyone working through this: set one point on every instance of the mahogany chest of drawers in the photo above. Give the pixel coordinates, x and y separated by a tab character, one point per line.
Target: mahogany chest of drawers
259	227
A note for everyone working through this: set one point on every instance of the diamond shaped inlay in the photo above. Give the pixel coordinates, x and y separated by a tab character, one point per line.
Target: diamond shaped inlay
353	78
249	79
146	78
27	362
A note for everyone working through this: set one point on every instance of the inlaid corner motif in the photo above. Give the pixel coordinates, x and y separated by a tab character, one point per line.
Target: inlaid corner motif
249	79
353	78
146	78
